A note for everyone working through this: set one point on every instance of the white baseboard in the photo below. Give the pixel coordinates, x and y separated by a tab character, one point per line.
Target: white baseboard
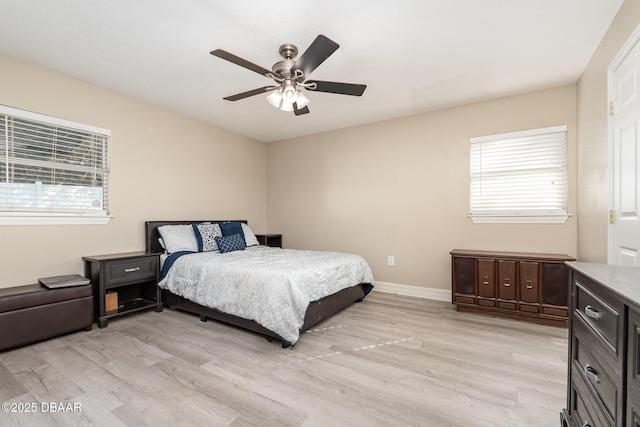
413	291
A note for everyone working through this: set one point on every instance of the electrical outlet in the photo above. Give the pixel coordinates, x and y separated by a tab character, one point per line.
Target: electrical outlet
391	260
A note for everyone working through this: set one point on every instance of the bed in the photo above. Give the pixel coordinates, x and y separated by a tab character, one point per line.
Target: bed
302	288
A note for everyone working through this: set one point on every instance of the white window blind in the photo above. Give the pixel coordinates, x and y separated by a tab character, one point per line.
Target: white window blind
51	167
520	174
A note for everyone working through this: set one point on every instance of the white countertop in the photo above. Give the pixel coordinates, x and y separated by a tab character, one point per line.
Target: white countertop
622	280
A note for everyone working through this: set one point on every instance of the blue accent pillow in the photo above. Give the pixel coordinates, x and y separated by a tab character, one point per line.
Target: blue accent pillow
205	236
229	228
233	242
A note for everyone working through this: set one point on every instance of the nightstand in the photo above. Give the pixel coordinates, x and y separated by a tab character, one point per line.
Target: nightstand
268	239
132	277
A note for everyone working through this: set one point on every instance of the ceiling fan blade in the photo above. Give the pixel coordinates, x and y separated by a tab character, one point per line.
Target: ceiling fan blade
301	111
339	88
249	93
240	61
321	48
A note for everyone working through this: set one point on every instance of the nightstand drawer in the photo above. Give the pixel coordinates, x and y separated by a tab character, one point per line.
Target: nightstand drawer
125	271
601	313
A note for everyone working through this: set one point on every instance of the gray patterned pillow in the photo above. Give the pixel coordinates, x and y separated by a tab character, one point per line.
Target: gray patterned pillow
205	236
178	238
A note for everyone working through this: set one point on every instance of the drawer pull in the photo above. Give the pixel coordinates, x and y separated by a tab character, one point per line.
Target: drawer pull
529	284
485	280
592	312
131	270
591	373
507	283
586	424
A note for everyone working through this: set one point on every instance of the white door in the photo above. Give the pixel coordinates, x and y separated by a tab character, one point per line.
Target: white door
625	161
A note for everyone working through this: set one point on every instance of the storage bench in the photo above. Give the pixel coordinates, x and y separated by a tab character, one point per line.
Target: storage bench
32	313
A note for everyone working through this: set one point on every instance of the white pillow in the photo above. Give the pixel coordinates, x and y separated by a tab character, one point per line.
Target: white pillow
178	238
250	239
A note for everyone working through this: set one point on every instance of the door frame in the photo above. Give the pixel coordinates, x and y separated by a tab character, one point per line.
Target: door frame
628	46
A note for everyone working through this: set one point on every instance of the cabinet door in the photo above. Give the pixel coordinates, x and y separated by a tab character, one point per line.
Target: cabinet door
486	278
464	279
506	280
555	283
529	281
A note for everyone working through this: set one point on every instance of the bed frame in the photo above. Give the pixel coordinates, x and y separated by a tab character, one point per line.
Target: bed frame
316	312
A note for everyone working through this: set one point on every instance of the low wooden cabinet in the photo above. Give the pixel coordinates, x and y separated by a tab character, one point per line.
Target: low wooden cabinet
517	285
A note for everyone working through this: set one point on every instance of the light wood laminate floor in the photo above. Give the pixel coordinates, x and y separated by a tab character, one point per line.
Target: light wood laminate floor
391	360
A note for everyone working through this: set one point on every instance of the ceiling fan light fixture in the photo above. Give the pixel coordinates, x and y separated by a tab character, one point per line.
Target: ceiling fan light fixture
286	105
275	98
302	100
289	92
286	96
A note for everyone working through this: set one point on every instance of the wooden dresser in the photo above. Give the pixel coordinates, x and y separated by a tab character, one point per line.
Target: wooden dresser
517	285
603	382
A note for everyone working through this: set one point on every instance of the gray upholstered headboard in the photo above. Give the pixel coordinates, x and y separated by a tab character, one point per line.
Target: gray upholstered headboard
151	231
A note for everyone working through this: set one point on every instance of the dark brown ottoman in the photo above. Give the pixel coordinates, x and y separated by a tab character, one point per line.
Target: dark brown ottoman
32	313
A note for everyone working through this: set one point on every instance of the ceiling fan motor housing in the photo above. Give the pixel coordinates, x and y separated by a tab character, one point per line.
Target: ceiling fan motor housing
283	68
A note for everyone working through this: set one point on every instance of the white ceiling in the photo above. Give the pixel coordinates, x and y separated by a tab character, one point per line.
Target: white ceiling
413	55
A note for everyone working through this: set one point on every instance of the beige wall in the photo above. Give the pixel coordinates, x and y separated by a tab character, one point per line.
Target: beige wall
401	188
164	166
593	163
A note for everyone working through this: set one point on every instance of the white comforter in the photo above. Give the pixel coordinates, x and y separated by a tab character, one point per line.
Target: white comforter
272	286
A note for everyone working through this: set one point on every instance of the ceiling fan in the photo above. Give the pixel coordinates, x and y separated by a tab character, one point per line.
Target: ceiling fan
291	74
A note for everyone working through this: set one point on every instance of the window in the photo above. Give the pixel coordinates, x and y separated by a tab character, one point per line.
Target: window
52	171
520	176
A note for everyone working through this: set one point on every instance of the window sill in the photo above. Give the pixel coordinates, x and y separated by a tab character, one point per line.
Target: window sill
9	218
520	219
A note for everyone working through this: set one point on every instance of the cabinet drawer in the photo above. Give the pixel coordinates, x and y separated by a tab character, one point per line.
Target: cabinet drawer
603	316
131	270
584	410
507	305
485	302
556	311
486	278
529	281
529	308
507	280
589	366
463	300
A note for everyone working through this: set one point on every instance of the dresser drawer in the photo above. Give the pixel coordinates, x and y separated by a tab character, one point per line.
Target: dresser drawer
589	365
585	411
602	313
130	270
